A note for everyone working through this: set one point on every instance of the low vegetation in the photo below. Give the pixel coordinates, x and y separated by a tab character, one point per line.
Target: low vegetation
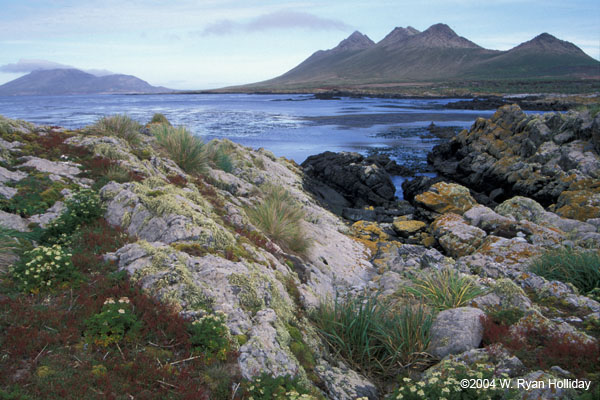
182	146
121	126
84	331
445	289
280	217
373	336
581	268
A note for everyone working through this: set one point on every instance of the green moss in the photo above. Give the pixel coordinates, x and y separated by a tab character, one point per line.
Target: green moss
248	295
175	285
163	199
241	339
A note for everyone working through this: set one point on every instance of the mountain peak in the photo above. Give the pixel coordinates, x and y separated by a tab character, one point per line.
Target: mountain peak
547	43
442	36
356	41
398	35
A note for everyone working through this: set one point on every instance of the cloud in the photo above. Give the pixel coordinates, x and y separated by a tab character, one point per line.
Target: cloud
276	20
28	65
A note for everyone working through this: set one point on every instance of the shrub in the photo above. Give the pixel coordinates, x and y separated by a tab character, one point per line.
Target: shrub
113	323
43	267
280	217
578	267
210	336
446	289
159	118
372	336
266	387
182	146
119	125
85	206
35	195
537	346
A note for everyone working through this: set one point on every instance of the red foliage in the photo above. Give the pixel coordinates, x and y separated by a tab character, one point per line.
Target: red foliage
538	346
177	180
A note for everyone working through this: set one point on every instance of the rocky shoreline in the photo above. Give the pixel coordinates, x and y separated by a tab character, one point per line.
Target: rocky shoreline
512	189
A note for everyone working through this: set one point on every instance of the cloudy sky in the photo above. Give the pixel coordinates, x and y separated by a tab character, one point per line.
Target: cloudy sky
201	44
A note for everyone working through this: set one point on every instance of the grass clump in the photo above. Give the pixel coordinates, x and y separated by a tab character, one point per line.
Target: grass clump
159	118
374	337
445	289
119	125
279	216
581	268
182	146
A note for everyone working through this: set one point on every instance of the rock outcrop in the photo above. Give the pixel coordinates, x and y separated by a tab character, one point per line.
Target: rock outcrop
551	158
348	180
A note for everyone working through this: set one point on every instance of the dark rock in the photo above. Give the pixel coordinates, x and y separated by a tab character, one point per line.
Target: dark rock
442	132
517	154
360	182
418	185
359	214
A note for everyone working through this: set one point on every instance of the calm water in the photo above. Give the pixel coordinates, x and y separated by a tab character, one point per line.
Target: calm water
294	126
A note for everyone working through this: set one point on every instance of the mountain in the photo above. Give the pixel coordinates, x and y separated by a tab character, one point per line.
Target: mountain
436	54
74	81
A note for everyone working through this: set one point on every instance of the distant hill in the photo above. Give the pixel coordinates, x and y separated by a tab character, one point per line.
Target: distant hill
436	54
74	81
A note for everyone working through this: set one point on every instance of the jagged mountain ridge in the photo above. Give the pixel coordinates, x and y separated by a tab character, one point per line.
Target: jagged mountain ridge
437	53
74	81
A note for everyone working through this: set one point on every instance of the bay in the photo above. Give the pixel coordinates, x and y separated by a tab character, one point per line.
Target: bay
293	126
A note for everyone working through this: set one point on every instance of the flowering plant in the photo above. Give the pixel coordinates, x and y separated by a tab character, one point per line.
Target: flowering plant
43	267
116	320
447	382
210	336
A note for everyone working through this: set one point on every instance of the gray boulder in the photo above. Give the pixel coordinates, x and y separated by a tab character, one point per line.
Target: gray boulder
455	331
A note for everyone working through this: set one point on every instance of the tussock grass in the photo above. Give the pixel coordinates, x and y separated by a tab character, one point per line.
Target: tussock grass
373	336
182	146
445	289
581	268
279	216
219	153
159	118
119	125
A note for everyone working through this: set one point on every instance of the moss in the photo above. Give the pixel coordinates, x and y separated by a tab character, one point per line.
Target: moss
248	295
163	199
175	285
241	339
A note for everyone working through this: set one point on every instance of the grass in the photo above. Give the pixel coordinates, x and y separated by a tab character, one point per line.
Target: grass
218	152
374	337
445	289
159	118
119	125
279	216
182	146
581	268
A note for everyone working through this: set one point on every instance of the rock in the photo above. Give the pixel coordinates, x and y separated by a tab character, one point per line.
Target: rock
342	383
408	228
50	215
13	221
404	258
11	176
359	214
456	236
65	169
359	181
262	352
445	197
455	331
536	156
521	208
540	389
418	185
497	355
7	192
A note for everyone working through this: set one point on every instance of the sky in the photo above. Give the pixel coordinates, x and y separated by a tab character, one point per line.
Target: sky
203	44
